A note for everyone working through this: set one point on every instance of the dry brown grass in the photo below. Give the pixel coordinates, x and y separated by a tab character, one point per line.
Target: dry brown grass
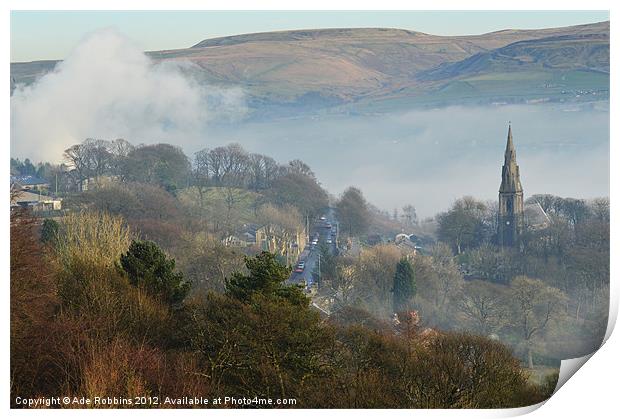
130	370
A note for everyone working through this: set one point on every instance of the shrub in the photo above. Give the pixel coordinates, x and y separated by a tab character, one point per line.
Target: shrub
49	231
147	266
93	238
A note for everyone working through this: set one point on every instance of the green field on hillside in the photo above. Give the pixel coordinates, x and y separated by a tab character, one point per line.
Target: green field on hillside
216	201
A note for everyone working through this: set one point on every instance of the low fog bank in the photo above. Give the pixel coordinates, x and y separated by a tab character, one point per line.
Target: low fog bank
430	158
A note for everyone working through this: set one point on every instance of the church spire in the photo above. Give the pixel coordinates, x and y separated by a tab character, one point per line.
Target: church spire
510	170
510	154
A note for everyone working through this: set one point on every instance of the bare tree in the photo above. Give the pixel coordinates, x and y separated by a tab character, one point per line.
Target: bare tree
99	155
600	208
546	201
90	159
483	304
449	279
271	171
298	166
410	216
535	306
237	165
215	159
462	225
77	156
200	173
120	150
343	285
256	173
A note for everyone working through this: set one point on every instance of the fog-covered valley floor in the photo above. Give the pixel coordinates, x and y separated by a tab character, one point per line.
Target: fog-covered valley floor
430	158
107	88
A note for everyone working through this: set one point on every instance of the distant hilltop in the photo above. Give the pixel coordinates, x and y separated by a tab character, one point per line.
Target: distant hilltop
382	69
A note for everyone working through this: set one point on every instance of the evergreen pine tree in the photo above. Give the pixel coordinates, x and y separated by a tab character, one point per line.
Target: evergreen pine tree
267	277
404	287
147	266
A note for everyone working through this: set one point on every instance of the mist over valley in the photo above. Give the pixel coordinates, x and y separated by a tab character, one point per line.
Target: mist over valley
426	114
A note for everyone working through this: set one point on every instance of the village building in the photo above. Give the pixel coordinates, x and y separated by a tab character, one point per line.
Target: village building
406	246
34	201
244	237
29	183
272	238
279	240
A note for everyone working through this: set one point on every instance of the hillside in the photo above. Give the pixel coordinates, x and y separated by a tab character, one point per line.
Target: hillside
565	53
312	69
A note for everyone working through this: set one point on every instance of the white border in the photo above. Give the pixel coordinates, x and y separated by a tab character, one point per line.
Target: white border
592	393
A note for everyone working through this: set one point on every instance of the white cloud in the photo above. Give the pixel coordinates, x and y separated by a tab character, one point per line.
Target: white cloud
108	88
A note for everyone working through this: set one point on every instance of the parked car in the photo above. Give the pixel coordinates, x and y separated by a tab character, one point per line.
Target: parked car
300	267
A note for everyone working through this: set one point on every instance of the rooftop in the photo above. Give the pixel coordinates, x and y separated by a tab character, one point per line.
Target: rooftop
28	180
27	196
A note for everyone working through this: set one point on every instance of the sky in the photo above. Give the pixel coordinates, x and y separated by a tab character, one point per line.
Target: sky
47	35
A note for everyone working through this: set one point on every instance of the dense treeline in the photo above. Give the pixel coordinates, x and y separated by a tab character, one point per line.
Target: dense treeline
166	166
138	277
96	312
188	207
547	298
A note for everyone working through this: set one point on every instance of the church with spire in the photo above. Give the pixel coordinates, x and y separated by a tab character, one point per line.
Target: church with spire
510	215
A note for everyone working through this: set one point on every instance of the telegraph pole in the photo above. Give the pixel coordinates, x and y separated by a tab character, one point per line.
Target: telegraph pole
319	281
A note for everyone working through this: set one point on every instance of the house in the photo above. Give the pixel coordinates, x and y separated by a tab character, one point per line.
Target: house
29	182
406	245
35	201
248	233
235	241
244	237
281	241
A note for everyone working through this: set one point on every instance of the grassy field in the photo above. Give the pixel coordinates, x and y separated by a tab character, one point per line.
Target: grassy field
216	200
506	87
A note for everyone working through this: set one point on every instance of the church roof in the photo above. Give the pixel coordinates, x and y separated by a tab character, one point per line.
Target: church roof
535	216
